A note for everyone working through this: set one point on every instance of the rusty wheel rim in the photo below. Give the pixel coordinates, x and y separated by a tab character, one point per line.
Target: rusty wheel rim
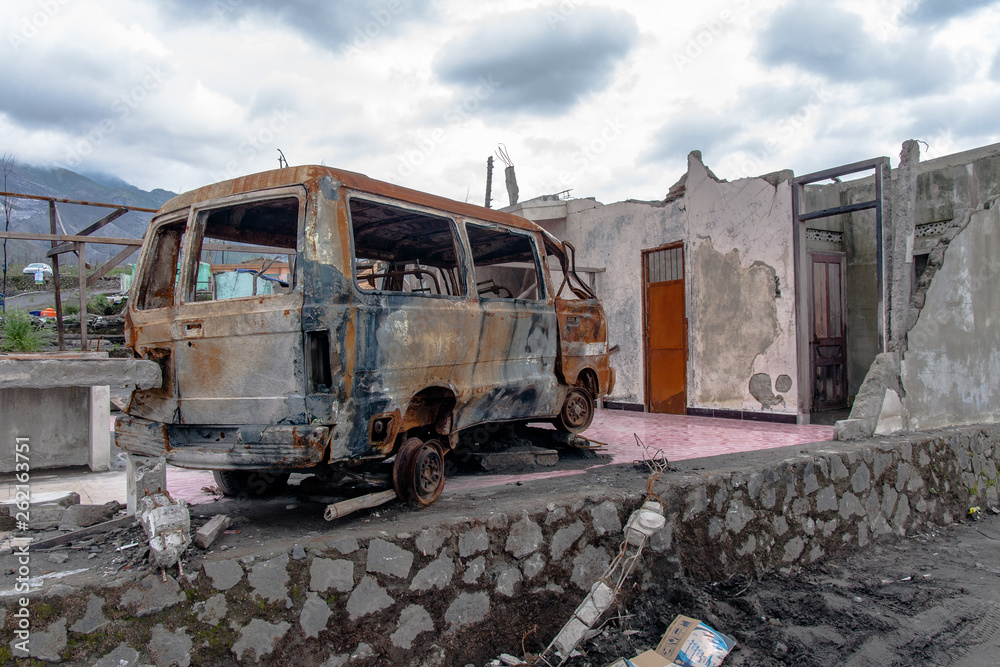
418	473
428	473
578	411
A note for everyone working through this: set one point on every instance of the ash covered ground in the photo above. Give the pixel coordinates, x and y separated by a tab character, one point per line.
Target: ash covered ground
930	599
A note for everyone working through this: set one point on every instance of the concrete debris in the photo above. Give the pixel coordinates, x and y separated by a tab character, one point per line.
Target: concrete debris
168	526
205	535
84	516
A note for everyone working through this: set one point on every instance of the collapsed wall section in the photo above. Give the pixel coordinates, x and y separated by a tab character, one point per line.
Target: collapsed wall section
952	359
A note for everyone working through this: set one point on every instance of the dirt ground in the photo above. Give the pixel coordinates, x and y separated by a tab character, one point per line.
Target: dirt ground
930	599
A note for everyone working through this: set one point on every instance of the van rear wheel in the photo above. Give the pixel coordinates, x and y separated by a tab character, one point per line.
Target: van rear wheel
577	412
418	473
250	483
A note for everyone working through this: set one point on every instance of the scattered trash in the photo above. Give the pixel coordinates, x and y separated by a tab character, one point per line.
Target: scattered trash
641	525
975	513
127	546
687	642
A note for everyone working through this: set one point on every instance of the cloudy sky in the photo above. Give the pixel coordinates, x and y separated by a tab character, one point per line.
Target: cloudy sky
604	98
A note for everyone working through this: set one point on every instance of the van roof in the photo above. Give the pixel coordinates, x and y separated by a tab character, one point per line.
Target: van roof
310	175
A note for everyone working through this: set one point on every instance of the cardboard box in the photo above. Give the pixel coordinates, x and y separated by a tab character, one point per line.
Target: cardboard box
691	643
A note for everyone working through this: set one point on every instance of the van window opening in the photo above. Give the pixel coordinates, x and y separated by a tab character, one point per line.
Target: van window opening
160	275
401	250
561	261
245	250
505	263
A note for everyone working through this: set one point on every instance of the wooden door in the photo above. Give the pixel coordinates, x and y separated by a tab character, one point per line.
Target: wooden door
665	329
829	332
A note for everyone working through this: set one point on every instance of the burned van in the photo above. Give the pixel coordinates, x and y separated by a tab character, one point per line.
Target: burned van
310	320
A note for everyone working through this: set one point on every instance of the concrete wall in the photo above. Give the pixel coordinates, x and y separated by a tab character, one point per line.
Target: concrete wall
56	422
950	368
741	293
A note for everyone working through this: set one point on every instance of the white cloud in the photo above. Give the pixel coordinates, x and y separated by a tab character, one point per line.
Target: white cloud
607	101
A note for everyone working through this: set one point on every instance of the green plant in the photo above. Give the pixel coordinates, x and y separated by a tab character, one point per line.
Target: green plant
101	305
19	334
70	308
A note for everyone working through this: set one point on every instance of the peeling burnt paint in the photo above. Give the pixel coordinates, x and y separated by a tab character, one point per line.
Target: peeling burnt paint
242	389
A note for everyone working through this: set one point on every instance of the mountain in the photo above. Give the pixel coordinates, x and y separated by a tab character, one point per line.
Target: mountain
33	216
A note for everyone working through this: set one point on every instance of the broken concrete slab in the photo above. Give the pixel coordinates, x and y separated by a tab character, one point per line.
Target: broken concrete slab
38	372
325	574
170	648
515	459
315	614
212	610
84	516
437	574
206	535
387	558
367	598
259	637
46	645
224	573
93	619
123	654
413	621
269	579
144	476
152	595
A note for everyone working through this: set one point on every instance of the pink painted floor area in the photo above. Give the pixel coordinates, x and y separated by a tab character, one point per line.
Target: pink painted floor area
678	437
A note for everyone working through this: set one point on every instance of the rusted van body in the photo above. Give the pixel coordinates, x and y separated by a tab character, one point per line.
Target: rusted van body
398	320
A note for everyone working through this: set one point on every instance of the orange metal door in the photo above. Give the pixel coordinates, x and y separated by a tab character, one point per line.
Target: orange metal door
666	330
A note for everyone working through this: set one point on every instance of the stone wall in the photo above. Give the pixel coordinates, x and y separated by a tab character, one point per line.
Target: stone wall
449	593
826	501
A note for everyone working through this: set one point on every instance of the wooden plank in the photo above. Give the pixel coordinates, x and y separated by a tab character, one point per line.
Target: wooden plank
55	274
110	264
121	522
82	252
75	201
75	238
110	217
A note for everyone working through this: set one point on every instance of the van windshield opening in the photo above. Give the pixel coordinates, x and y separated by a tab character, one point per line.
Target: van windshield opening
401	250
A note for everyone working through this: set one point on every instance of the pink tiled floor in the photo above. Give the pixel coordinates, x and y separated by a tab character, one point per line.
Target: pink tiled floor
678	437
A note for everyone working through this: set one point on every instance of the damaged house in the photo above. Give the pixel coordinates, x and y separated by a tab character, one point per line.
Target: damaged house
780	297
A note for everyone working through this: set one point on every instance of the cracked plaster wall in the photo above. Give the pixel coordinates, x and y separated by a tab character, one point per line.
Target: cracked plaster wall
952	359
740	241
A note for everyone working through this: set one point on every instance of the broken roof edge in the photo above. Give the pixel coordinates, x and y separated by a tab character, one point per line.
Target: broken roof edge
304	175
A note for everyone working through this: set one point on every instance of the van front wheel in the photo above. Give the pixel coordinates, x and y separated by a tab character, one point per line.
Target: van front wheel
418	473
249	483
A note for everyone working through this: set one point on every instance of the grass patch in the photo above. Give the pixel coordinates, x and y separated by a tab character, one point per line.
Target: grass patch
18	333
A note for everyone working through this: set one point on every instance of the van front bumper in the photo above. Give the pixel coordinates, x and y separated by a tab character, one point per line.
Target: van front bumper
207	447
